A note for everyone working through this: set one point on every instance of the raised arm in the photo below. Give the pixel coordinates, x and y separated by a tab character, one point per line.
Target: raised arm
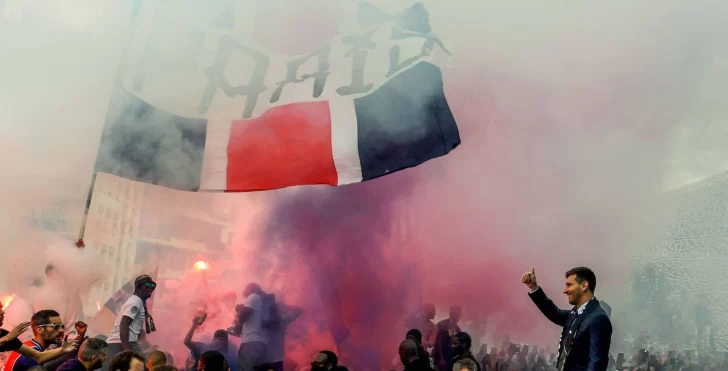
554	314
48	355
544	304
600	338
11	337
290	313
191	345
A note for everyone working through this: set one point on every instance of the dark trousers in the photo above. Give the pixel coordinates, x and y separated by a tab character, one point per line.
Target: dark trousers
251	354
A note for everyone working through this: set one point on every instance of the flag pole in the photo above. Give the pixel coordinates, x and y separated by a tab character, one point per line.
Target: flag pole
118	81
79	241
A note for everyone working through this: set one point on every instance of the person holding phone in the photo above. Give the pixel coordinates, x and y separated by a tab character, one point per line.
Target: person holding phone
219	344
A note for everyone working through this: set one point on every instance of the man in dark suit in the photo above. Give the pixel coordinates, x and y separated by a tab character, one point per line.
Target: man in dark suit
587	331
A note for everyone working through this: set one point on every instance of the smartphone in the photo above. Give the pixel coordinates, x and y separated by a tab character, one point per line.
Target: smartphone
203	317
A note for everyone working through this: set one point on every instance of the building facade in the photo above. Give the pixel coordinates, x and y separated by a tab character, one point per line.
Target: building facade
134	224
691	255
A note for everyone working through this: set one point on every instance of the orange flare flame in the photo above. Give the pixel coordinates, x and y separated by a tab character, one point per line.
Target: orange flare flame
201	266
7	300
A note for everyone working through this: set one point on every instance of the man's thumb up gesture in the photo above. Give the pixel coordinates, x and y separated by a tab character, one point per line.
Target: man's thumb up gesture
529	279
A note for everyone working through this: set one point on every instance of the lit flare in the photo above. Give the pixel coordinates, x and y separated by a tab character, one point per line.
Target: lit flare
7	300
201	266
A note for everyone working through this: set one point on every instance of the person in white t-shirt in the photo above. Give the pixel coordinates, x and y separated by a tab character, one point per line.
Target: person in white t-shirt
133	315
253	343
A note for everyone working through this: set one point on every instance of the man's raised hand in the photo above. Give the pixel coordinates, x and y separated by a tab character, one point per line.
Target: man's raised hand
69	345
529	279
17	331
81	328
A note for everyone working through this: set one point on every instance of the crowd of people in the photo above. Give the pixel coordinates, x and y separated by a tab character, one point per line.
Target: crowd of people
261	322
521	357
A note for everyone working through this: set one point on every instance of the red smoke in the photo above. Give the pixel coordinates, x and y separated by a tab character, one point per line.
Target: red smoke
340	246
530	187
555	170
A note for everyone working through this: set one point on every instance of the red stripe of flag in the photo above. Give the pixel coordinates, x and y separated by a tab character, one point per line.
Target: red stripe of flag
287	146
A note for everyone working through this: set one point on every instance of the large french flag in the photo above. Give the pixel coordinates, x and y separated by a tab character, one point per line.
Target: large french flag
216	111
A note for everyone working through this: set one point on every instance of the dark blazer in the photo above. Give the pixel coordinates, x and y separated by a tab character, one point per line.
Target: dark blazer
590	346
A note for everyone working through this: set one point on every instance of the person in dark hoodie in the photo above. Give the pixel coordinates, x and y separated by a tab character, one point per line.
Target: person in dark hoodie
416	336
408	354
461	344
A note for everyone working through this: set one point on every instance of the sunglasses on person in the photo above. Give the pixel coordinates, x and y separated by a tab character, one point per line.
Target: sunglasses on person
55	326
150	285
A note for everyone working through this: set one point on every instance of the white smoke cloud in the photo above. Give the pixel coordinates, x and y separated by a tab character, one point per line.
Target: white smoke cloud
573	117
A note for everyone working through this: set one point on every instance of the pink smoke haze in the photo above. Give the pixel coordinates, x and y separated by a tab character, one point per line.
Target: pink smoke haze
573	118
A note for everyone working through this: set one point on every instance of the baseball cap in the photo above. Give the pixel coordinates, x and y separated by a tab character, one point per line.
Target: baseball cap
143	279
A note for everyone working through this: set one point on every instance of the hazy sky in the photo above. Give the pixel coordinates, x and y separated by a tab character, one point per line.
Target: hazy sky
525	36
572	116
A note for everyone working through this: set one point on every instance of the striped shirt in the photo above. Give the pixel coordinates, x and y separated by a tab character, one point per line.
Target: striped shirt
19	362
